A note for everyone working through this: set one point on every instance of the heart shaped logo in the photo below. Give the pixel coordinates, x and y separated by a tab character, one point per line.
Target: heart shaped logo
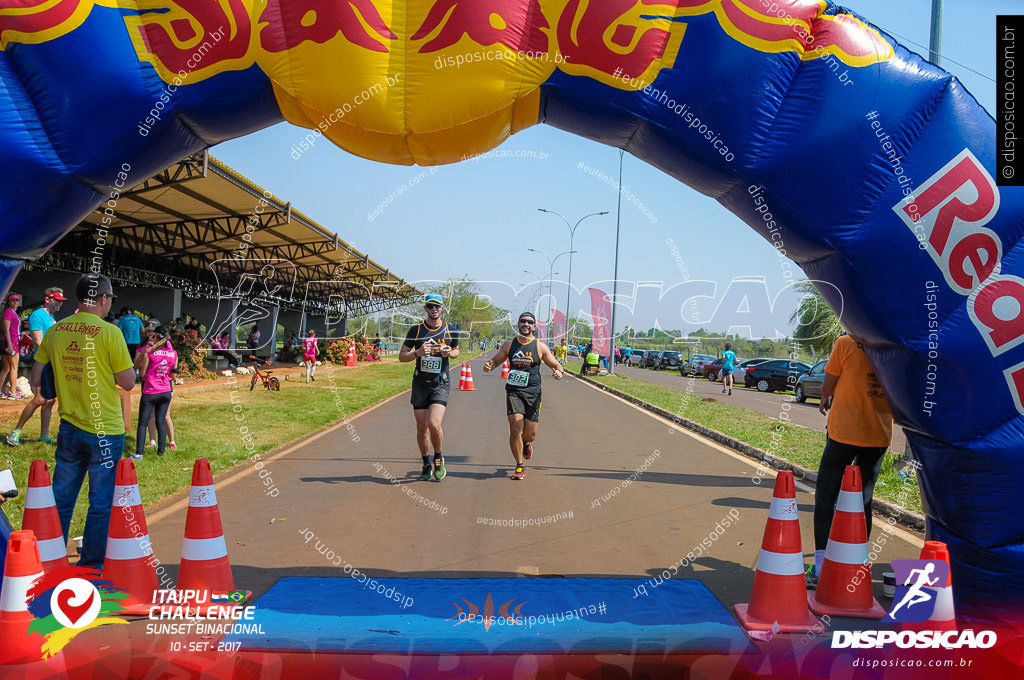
73	612
75	603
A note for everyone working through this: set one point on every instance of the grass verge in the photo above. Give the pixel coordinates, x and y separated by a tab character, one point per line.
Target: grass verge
796	444
215	424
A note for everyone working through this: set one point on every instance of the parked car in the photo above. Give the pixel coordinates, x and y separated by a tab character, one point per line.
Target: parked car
809	384
668	358
637	357
574	351
650	358
695	364
740	371
713	371
777	375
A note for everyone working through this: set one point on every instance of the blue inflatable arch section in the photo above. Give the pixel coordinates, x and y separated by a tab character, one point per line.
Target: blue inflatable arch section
872	168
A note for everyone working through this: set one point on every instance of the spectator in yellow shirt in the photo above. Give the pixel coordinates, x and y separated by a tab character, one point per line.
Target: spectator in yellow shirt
90	360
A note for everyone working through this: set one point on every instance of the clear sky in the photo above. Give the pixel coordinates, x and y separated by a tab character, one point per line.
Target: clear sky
478	218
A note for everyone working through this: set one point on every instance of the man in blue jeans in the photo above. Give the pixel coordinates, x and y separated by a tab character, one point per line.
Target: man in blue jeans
89	360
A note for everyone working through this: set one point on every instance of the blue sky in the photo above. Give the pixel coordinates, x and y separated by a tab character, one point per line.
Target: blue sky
461	219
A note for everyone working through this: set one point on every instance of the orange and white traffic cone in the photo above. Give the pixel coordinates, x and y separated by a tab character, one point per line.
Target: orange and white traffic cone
351	360
943	616
23	566
466	383
129	560
779	595
41	518
462	376
844	586
505	368
204	554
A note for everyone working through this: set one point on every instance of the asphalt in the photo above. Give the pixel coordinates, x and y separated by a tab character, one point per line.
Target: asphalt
338	490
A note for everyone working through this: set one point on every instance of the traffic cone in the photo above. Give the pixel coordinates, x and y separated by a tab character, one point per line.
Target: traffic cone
462	376
466	381
129	563
780	592
943	616
505	368
204	554
351	360
42	520
23	566
844	585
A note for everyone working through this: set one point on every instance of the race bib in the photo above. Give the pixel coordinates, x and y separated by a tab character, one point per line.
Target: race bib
430	364
519	378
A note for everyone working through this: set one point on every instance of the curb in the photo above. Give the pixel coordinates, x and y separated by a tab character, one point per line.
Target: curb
882	507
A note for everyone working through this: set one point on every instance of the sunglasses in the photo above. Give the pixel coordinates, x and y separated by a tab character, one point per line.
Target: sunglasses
532	323
433	306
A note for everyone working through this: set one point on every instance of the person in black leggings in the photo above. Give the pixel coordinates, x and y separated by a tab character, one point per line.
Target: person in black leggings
155	362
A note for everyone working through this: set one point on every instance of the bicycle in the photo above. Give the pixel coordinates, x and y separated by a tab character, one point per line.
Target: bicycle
269	382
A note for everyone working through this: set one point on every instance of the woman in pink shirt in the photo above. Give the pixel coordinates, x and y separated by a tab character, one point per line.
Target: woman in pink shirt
11	332
309	355
155	362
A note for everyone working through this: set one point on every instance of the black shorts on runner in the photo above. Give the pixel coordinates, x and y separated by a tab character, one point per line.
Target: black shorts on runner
422	397
526	403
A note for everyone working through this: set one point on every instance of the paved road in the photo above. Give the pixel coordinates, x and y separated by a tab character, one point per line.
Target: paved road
768	403
338	490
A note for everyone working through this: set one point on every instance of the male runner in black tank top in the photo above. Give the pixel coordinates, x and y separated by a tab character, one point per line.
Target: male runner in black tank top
522	391
430	344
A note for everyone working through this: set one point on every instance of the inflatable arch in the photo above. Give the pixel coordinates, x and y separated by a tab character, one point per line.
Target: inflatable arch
870	167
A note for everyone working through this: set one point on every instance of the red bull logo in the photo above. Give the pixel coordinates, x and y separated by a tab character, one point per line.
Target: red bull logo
36	21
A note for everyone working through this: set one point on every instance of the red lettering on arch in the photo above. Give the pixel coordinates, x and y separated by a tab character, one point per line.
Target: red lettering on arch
967	170
1001	334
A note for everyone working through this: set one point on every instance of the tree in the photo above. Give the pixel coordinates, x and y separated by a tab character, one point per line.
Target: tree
817	325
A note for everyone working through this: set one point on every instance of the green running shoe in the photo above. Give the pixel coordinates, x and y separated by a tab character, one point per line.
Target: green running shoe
425	473
439	471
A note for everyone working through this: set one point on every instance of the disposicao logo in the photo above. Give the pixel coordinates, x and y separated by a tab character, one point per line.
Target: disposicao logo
916	594
68	601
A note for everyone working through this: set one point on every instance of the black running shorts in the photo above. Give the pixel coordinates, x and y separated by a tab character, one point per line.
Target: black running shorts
422	397
526	403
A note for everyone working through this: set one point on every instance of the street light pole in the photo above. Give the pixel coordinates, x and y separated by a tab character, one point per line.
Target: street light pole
551	270
572	234
615	276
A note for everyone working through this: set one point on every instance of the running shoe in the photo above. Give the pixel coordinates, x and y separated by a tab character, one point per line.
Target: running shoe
425	473
14	438
528	450
16	397
519	473
47	439
151	444
730	393
439	471
136	457
723	390
811	578
173	446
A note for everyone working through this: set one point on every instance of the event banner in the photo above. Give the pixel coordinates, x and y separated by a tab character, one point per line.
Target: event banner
600	309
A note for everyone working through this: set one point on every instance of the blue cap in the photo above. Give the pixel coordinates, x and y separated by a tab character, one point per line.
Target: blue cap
433	297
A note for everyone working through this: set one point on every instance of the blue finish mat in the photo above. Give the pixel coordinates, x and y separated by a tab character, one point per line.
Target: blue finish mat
483	616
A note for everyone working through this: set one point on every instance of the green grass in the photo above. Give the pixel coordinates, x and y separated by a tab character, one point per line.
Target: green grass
796	444
207	424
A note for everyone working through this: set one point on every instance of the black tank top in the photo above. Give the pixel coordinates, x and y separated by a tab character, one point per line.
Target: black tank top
524	359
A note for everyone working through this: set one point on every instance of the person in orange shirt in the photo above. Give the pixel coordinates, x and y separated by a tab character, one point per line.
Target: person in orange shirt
859	430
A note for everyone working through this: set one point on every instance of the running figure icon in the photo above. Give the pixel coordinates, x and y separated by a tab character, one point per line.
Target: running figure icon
914	594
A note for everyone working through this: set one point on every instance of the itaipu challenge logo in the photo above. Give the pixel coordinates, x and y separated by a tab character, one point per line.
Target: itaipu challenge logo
68	601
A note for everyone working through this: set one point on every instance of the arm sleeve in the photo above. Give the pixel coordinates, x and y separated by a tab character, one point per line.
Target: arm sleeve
410	337
117	351
835	360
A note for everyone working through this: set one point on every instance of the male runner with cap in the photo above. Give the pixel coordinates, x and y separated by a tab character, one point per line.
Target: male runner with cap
430	344
522	391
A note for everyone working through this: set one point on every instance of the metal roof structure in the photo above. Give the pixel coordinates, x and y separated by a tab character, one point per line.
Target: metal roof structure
201	227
